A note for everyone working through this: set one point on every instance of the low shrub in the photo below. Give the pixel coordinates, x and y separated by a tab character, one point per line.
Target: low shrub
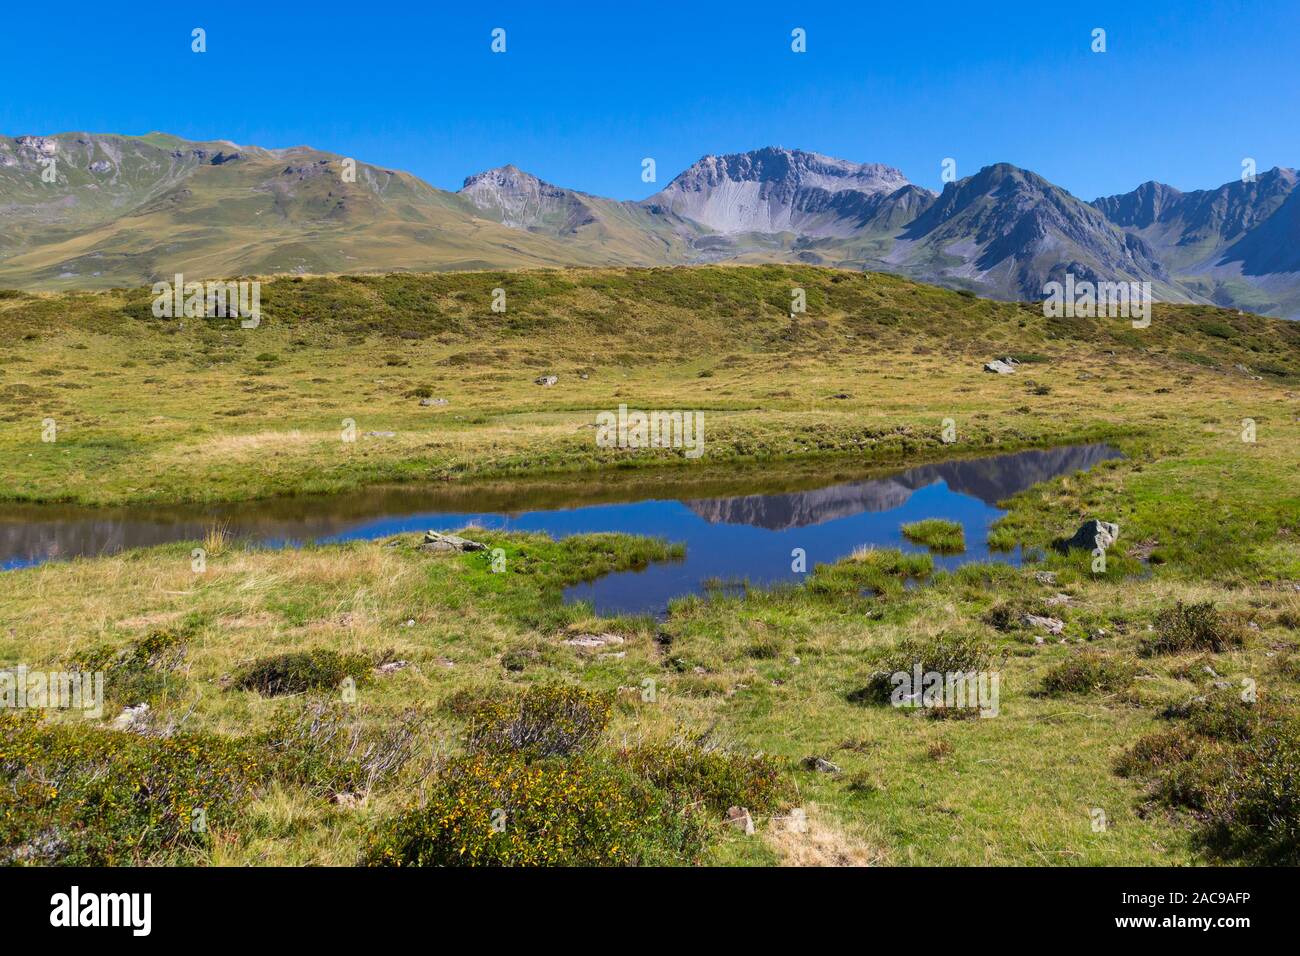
298	672
1236	766
715	779
331	747
141	672
77	794
545	721
464	702
1089	672
1258	814
506	811
1155	751
1007	615
1193	627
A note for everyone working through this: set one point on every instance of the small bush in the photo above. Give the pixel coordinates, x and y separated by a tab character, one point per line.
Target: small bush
1236	766
464	702
330	747
1155	751
1193	627
1089	672
298	672
545	721
1007	615
142	672
937	534
76	794
715	779
1223	716
1258	814
946	654
506	811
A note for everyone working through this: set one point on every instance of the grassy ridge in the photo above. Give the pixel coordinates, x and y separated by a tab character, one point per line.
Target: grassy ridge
201	410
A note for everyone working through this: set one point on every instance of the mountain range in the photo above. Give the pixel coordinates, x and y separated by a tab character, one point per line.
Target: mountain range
129	210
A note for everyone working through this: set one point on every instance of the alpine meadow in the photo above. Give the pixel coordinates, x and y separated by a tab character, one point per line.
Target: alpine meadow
789	510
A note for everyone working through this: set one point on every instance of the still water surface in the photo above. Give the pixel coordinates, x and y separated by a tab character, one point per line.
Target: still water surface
730	535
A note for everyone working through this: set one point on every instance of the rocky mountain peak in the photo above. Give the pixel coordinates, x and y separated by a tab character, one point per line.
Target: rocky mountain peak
775	190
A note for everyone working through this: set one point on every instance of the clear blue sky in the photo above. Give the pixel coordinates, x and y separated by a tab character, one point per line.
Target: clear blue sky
1183	93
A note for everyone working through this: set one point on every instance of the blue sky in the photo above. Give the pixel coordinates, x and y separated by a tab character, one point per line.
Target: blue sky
1183	93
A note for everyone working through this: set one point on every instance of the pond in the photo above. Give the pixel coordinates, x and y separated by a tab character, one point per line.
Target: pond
736	530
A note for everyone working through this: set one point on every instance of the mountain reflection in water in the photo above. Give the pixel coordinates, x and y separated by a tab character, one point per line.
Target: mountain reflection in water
737	536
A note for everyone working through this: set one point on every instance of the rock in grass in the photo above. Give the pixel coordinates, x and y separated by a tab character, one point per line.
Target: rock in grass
739	818
132	719
1001	366
594	640
1053	625
1091	534
820	764
435	541
433	402
546	381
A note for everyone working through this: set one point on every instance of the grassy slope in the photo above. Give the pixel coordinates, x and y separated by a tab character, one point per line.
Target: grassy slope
1221	518
155	214
200	410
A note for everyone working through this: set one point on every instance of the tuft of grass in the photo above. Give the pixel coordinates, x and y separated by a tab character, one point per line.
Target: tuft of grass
955	653
693	776
938	534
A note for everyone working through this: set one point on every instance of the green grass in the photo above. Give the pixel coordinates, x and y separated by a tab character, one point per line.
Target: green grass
156	410
938	534
1199	588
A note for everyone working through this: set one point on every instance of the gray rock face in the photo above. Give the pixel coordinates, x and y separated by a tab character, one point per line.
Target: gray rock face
593	640
1092	534
522	201
1000	366
777	190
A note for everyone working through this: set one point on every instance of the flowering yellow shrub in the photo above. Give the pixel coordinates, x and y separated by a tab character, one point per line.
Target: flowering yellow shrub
506	811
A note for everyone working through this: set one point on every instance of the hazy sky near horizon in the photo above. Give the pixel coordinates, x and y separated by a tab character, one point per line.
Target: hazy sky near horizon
585	91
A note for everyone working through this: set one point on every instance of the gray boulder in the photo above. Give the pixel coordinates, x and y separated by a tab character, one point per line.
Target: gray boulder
1091	534
435	541
547	380
1001	366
